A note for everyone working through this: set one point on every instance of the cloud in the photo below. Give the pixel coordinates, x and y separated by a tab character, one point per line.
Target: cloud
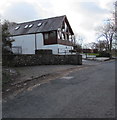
20	12
87	16
25	10
89	7
83	15
88	13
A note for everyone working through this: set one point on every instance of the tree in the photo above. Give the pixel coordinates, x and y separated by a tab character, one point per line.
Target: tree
115	36
102	46
106	33
78	48
115	16
6	40
7	57
79	38
93	45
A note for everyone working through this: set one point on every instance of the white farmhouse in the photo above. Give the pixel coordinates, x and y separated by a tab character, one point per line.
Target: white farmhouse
52	33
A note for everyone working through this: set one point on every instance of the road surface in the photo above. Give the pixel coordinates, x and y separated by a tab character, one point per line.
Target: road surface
85	93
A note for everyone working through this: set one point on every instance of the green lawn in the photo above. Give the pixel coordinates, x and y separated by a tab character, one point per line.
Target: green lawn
91	53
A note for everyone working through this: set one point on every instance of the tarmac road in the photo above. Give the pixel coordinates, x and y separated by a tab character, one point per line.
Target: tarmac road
86	93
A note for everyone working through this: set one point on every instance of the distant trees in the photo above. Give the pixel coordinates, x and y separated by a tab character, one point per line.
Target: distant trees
78	48
100	45
79	38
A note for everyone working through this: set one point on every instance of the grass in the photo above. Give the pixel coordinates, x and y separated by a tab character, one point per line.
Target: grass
91	54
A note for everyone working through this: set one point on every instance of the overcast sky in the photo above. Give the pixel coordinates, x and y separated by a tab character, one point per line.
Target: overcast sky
83	15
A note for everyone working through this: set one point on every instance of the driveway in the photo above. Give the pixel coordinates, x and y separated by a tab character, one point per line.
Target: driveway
85	93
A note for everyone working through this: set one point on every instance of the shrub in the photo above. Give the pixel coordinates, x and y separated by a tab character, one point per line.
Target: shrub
103	54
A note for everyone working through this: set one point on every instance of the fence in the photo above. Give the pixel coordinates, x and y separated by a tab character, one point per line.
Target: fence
17	49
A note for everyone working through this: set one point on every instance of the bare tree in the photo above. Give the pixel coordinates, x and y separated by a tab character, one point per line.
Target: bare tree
115	36
107	31
79	38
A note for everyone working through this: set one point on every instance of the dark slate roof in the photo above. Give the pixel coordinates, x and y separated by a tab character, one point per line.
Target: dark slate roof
49	24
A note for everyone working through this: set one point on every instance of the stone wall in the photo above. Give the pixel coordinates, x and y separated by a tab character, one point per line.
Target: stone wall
30	60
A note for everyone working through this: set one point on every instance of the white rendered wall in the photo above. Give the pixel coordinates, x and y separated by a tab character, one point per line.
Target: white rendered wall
64	49
27	42
58	49
39	40
54	48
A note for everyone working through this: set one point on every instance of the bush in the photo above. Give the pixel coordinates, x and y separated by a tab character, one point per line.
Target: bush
7	60
6	78
103	54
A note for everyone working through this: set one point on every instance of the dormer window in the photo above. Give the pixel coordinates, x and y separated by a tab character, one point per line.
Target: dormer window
39	24
30	25
26	26
17	27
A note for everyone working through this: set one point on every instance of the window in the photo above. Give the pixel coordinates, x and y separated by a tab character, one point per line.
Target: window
52	34
39	24
46	35
26	26
30	25
17	27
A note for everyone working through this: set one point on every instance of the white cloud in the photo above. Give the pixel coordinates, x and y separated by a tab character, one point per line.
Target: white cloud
83	15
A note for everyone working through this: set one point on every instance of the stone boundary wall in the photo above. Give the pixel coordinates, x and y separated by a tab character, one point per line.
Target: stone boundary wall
30	60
